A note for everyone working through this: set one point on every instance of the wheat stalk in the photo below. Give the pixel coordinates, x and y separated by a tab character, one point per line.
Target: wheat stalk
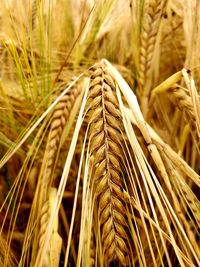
106	159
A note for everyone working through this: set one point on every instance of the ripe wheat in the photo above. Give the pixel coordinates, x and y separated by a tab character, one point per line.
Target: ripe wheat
153	11
58	122
106	159
150	25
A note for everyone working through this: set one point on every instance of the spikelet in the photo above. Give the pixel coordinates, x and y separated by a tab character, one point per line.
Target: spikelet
43	225
92	250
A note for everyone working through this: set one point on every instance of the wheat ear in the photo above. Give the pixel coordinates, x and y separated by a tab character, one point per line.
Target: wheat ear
106	159
52	255
153	11
59	119
183	101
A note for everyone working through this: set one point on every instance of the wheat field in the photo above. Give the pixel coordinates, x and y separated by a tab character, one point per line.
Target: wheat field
99	133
